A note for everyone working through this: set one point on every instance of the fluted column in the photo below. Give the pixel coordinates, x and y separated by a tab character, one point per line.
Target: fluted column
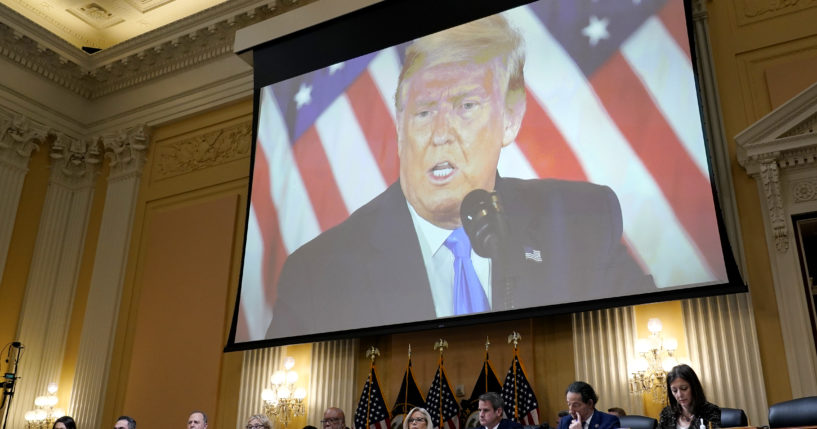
602	341
49	295
256	370
723	346
18	139
332	381
126	153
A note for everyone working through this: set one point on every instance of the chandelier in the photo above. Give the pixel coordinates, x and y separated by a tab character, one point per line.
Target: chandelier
283	401
43	416
654	358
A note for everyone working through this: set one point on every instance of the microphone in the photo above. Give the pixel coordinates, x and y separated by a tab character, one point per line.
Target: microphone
485	223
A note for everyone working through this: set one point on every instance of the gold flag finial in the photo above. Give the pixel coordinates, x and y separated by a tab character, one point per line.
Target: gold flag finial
372	353
441	344
487	343
409	352
514	338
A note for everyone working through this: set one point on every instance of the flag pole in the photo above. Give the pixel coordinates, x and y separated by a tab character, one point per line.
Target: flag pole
372	354
514	338
485	364
406	374
441	344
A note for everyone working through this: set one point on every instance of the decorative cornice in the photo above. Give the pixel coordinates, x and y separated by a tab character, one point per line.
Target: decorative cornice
126	151
770	179
190	42
806	127
204	150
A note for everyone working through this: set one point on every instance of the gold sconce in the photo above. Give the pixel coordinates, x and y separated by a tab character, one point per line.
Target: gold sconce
284	401
655	356
43	416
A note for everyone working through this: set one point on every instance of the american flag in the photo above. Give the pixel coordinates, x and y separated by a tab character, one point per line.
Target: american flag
520	401
372	412
487	381
441	402
611	99
410	395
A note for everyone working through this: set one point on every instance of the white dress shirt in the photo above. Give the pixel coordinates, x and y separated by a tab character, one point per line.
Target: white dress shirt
439	263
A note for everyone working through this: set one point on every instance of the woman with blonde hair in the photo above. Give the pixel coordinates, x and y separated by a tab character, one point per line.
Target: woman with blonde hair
259	421
417	418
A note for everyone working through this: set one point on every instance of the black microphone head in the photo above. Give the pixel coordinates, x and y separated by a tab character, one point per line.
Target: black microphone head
483	221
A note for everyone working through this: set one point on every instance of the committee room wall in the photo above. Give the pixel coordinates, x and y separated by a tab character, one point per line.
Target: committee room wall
182	274
762	54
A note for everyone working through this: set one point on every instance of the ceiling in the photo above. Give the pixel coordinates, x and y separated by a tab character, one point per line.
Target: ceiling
101	24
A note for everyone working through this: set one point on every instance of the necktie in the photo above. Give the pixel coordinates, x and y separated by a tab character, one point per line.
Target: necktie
469	297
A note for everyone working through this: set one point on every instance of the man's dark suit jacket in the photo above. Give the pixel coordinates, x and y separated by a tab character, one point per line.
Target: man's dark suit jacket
600	420
369	270
506	424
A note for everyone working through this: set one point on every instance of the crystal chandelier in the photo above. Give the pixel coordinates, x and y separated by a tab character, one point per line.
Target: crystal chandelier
44	415
283	401
654	358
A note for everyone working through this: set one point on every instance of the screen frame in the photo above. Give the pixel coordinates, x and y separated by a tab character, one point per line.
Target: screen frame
373	28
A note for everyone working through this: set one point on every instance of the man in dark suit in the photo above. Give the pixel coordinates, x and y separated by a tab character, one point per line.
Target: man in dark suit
404	257
491	409
581	403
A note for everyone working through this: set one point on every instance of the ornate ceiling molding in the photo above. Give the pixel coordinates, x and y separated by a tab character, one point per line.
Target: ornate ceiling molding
187	43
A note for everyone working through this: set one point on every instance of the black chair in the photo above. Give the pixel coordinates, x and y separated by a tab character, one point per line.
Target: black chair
797	412
733	417
638	422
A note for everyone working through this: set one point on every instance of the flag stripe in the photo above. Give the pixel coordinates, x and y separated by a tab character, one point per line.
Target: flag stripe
642	124
677	28
354	168
378	126
327	203
551	158
666	72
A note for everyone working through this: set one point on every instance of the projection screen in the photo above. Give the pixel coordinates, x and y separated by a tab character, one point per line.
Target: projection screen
596	153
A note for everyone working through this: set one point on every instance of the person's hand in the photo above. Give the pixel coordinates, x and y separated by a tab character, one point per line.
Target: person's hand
577	422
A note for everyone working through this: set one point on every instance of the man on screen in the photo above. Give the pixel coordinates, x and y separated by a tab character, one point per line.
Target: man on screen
404	257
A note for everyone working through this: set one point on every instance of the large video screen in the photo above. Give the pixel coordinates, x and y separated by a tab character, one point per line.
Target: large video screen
579	118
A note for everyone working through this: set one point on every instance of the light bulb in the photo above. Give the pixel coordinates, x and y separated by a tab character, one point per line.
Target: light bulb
39	401
51	400
669	363
300	393
52	388
642	346
289	362
641	364
654	325
283	393
40	414
671	344
30	416
57	413
292	377
267	395
278	378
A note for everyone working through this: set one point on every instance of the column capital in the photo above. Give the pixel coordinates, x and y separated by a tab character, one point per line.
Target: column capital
74	161
126	150
19	137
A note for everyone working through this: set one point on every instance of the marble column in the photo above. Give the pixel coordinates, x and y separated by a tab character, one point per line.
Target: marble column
46	309
126	152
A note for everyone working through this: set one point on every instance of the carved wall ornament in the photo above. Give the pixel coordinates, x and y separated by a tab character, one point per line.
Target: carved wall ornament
755	10
804	190
204	150
770	179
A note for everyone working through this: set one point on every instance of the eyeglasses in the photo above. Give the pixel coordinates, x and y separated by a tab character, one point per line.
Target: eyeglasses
255	426
331	421
416	420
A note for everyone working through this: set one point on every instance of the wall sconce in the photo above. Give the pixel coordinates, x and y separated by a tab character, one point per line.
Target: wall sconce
283	401
43	416
655	356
